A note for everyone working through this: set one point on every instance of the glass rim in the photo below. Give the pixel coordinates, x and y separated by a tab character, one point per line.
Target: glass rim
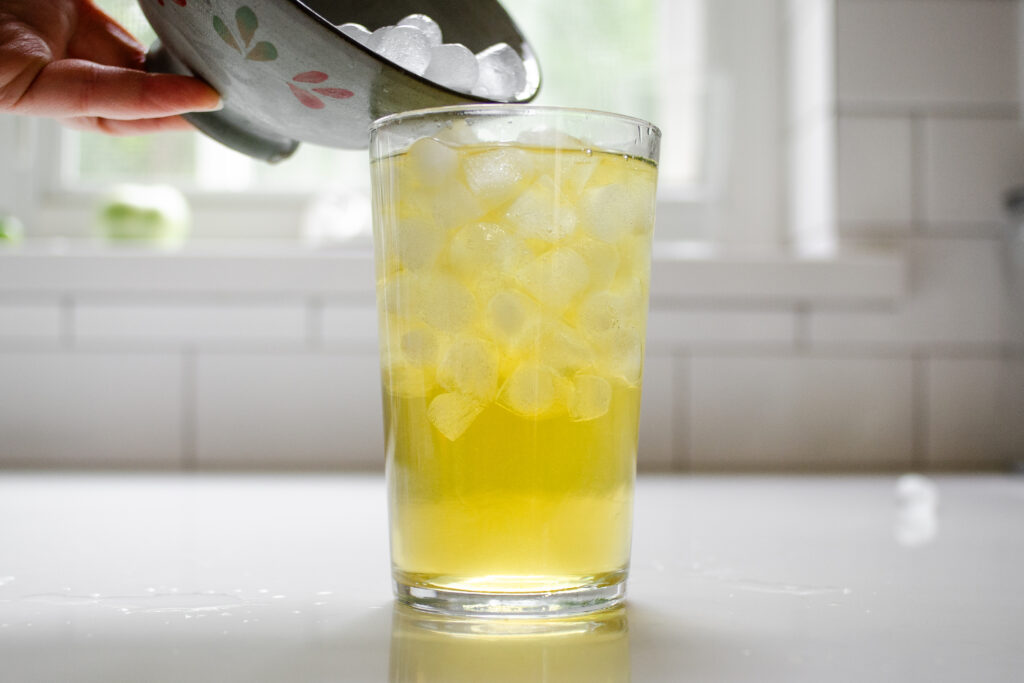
508	108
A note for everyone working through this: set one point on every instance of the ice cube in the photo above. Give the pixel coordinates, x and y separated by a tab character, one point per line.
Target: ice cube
563	348
502	74
622	354
495	176
470	367
374	40
426	25
399	294
444	303
591	397
356	32
608	310
635	258
510	315
602	259
550	138
457	205
431	161
452	414
453	66
408	381
418	243
458	132
576	171
530	390
419	346
478	248
449	203
540	212
407	47
555	278
916	489
437	299
614	211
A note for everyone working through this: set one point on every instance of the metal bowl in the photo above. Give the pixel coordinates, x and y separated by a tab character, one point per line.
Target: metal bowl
288	75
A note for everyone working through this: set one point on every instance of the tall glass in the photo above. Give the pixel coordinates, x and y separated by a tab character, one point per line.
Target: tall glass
513	262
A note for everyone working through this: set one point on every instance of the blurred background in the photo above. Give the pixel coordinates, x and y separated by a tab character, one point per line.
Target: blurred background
837	281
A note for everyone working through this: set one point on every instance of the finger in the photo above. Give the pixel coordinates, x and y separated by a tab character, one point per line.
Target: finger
73	87
118	127
100	39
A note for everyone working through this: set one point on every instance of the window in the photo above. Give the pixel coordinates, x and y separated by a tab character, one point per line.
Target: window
686	65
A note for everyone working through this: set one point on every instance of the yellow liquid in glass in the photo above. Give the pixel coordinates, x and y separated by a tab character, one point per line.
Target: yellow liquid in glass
513	287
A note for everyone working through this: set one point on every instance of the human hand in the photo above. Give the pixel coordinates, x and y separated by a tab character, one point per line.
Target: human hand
68	60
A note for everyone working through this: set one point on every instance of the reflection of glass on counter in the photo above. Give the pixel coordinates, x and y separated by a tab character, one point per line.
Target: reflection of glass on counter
429	648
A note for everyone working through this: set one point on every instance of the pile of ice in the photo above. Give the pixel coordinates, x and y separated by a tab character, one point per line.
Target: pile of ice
415	43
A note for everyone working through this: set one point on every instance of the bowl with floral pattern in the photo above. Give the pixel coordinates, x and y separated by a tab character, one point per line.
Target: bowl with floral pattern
287	74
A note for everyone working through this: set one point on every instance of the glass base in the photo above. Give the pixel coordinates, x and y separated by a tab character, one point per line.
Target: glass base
606	594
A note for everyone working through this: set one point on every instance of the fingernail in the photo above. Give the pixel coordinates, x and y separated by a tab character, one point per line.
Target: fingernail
220	105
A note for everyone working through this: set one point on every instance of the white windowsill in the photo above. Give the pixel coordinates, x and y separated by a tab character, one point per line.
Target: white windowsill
681	271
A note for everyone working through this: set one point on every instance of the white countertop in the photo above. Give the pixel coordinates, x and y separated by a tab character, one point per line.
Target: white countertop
285	578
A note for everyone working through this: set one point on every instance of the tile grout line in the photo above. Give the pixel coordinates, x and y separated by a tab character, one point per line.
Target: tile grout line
918	162
919	411
680	397
66	329
315	322
189	406
802	328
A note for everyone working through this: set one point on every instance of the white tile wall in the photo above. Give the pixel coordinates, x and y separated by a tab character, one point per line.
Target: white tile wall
90	410
193	324
36	320
957	298
874	173
789	412
256	270
716	327
900	53
967	426
350	322
657	412
319	410
969	164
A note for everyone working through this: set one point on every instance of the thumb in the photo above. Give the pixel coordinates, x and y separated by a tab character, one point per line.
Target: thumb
73	87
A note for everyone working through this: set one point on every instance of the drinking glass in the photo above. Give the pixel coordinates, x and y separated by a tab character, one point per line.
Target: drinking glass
512	250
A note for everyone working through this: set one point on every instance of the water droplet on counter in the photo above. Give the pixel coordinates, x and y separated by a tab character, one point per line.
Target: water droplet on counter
325	593
4	580
277	597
